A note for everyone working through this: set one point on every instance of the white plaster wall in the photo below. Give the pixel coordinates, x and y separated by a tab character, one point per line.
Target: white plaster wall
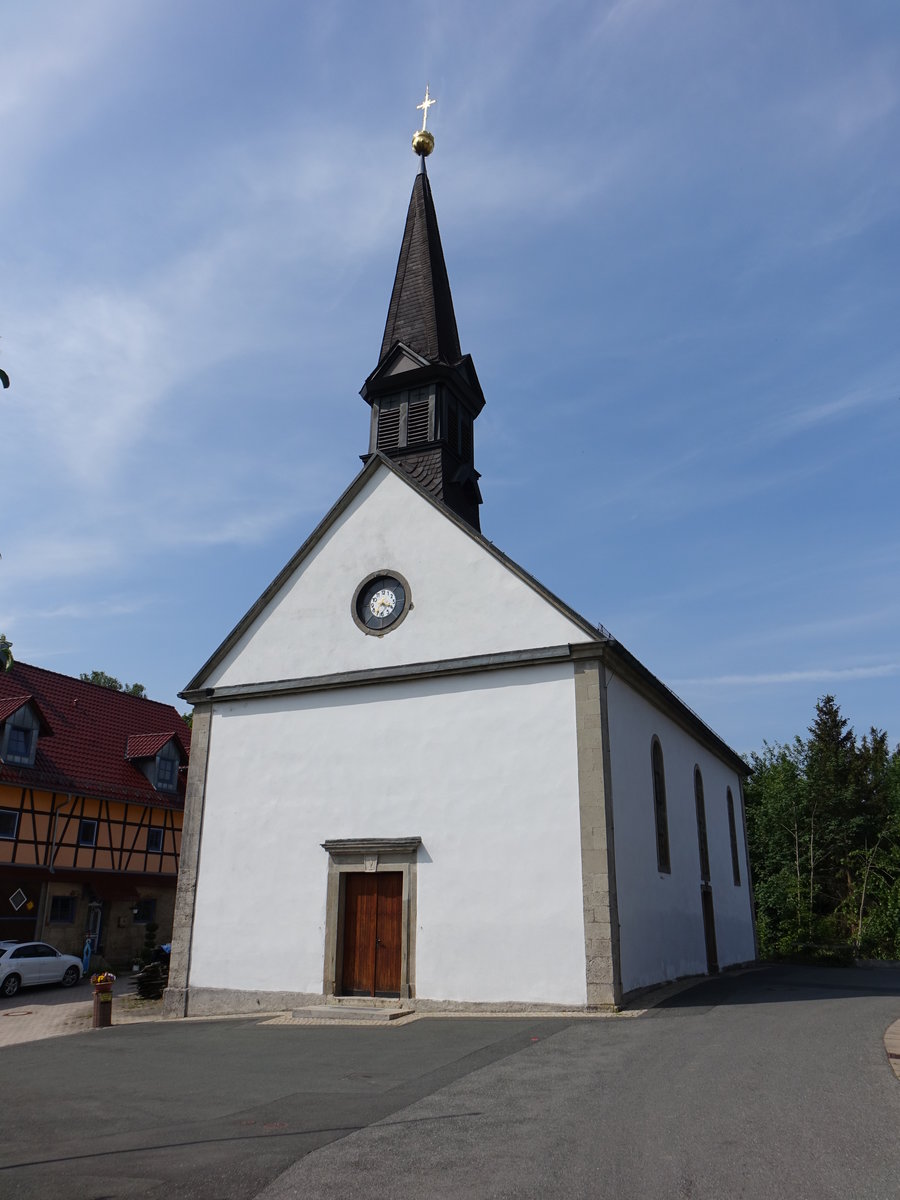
465	601
483	769
661	921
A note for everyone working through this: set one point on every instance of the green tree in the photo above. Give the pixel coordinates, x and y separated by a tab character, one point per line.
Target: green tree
823	830
109	681
872	905
833	814
776	803
6	655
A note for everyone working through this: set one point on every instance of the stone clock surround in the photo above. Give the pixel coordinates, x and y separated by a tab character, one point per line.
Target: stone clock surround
383	572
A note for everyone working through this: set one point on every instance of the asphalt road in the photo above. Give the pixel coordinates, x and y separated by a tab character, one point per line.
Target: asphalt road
766	1085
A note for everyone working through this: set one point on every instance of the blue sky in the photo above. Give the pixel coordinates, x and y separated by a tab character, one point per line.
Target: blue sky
673	237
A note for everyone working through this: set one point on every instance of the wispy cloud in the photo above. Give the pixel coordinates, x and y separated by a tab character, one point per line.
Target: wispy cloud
47	555
92	609
52	78
845	107
97	362
812	675
842	625
846	405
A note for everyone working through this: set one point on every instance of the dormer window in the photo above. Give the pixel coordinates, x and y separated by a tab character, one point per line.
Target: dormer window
167	769
18	743
157	756
19	739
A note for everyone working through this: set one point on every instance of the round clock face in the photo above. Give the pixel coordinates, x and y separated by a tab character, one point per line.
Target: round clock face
383	602
380	602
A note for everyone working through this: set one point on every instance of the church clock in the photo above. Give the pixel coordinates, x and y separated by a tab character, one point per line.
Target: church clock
380	602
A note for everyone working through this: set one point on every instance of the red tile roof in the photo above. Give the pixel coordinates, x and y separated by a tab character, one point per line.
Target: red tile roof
92	729
11	704
148	745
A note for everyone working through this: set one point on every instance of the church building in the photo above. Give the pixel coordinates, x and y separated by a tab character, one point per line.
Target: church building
419	777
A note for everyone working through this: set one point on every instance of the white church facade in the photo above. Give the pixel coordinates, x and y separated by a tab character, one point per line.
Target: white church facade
417	776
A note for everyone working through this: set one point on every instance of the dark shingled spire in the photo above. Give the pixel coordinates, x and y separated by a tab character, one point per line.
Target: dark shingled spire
424	394
420	314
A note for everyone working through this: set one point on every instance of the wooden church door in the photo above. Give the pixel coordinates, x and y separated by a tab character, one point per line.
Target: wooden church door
372	933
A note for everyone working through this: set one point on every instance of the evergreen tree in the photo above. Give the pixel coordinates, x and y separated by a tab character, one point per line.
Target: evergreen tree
832	815
823	830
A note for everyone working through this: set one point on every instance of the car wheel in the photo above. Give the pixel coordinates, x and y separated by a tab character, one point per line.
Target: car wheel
71	977
10	985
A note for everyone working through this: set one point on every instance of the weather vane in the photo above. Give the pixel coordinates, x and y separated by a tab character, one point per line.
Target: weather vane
423	139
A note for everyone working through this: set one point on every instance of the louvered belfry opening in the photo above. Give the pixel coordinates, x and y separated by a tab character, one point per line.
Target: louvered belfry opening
424	393
417	421
388	428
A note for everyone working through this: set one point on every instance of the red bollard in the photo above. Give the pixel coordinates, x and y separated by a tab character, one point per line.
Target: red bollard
103	986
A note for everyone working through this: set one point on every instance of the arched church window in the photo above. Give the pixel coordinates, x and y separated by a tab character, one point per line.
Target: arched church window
732	833
659	806
702	840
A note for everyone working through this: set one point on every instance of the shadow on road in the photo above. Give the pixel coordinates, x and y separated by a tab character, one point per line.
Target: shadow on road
45	995
784	983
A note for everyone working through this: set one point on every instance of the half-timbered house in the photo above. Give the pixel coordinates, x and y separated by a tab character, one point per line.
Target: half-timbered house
462	791
91	808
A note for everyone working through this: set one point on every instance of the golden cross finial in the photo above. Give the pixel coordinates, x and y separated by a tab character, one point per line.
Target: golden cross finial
425	105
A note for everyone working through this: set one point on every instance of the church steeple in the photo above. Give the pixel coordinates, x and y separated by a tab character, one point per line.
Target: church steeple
424	393
421	313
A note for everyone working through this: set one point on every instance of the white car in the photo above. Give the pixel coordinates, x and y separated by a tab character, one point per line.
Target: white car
25	963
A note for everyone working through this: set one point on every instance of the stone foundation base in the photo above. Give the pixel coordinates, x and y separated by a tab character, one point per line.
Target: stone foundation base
221	1002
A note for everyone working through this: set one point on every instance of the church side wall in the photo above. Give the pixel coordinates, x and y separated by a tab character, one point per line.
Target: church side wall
482	768
660	915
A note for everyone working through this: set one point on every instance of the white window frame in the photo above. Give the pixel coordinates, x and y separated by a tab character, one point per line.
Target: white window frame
81	824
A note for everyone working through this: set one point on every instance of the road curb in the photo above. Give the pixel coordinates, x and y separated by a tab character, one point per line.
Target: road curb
892	1046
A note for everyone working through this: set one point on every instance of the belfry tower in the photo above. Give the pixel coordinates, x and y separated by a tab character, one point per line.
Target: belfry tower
424	393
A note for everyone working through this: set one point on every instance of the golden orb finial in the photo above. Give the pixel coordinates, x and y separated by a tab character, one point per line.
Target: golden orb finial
423	139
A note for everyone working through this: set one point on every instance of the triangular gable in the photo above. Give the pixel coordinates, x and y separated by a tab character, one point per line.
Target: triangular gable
12	704
511	610
267	646
148	745
399	359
